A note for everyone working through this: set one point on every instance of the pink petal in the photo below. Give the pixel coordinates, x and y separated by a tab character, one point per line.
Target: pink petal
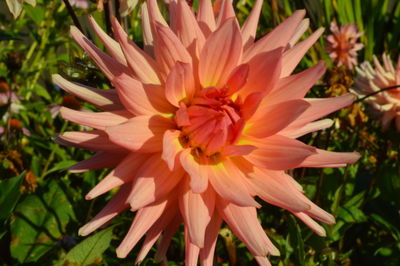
279	116
324	158
142	64
244	224
238	78
171	148
114	207
297	85
220	55
196	210
265	69
112	46
229	182
293	56
108	65
238	150
180	85
207	252
123	173
226	12
319	230
98	120
98	161
144	219
95	140
198	172
153	182
308	128
191	251
146	29
104	99
300	30
141	133
205	17
278	152
262	261
249	27
278	37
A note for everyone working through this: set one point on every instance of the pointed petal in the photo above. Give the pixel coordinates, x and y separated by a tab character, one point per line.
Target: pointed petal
292	57
115	206
205	17
244	223
166	238
123	173
98	120
153	182
249	28
180	85
308	128
171	149
104	99
220	55
196	210
106	63
92	140
207	252
301	28
324	158
98	161
319	230
278	152
229	182
238	78
262	261
198	172
226	12
144	219
146	29
141	133
141	99
280	116
112	46
279	37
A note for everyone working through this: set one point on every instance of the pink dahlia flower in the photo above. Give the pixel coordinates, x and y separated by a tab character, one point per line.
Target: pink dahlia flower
342	44
199	123
371	80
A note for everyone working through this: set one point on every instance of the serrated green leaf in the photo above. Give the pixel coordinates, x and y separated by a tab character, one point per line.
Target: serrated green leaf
89	250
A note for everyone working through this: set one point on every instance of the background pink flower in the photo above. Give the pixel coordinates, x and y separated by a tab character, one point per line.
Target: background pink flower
342	44
200	122
370	80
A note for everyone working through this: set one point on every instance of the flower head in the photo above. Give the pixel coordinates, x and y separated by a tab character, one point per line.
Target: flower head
371	80
342	44
199	123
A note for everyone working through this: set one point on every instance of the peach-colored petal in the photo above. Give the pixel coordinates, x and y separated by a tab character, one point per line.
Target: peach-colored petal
249	27
123	173
141	63
293	56
297	85
141	99
205	17
115	206
180	85
106	63
324	158
191	251
278	152
308	128
141	133
169	49
147	31
196	210
279	37
144	219
319	230
243	222
226	12
264	72
238	150
198	172
300	30
238	78
98	120
153	182
207	252
106	100
98	161
262	260
95	140
166	238
171	148
220	55
112	46
278	116
229	182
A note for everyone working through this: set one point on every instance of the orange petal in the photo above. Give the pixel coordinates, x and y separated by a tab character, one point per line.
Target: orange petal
98	161
171	148
180	84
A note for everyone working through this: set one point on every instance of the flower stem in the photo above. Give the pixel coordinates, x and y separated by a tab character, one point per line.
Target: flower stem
376	92
71	12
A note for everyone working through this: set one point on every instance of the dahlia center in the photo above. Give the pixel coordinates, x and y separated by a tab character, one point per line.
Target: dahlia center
210	122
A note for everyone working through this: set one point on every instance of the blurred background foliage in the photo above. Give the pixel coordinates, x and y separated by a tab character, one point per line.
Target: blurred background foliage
42	205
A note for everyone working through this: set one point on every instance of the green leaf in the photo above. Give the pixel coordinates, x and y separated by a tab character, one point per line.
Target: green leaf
296	241
40	221
9	194
90	250
63	165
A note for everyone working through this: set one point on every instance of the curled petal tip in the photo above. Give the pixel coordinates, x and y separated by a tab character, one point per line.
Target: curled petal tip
121	253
